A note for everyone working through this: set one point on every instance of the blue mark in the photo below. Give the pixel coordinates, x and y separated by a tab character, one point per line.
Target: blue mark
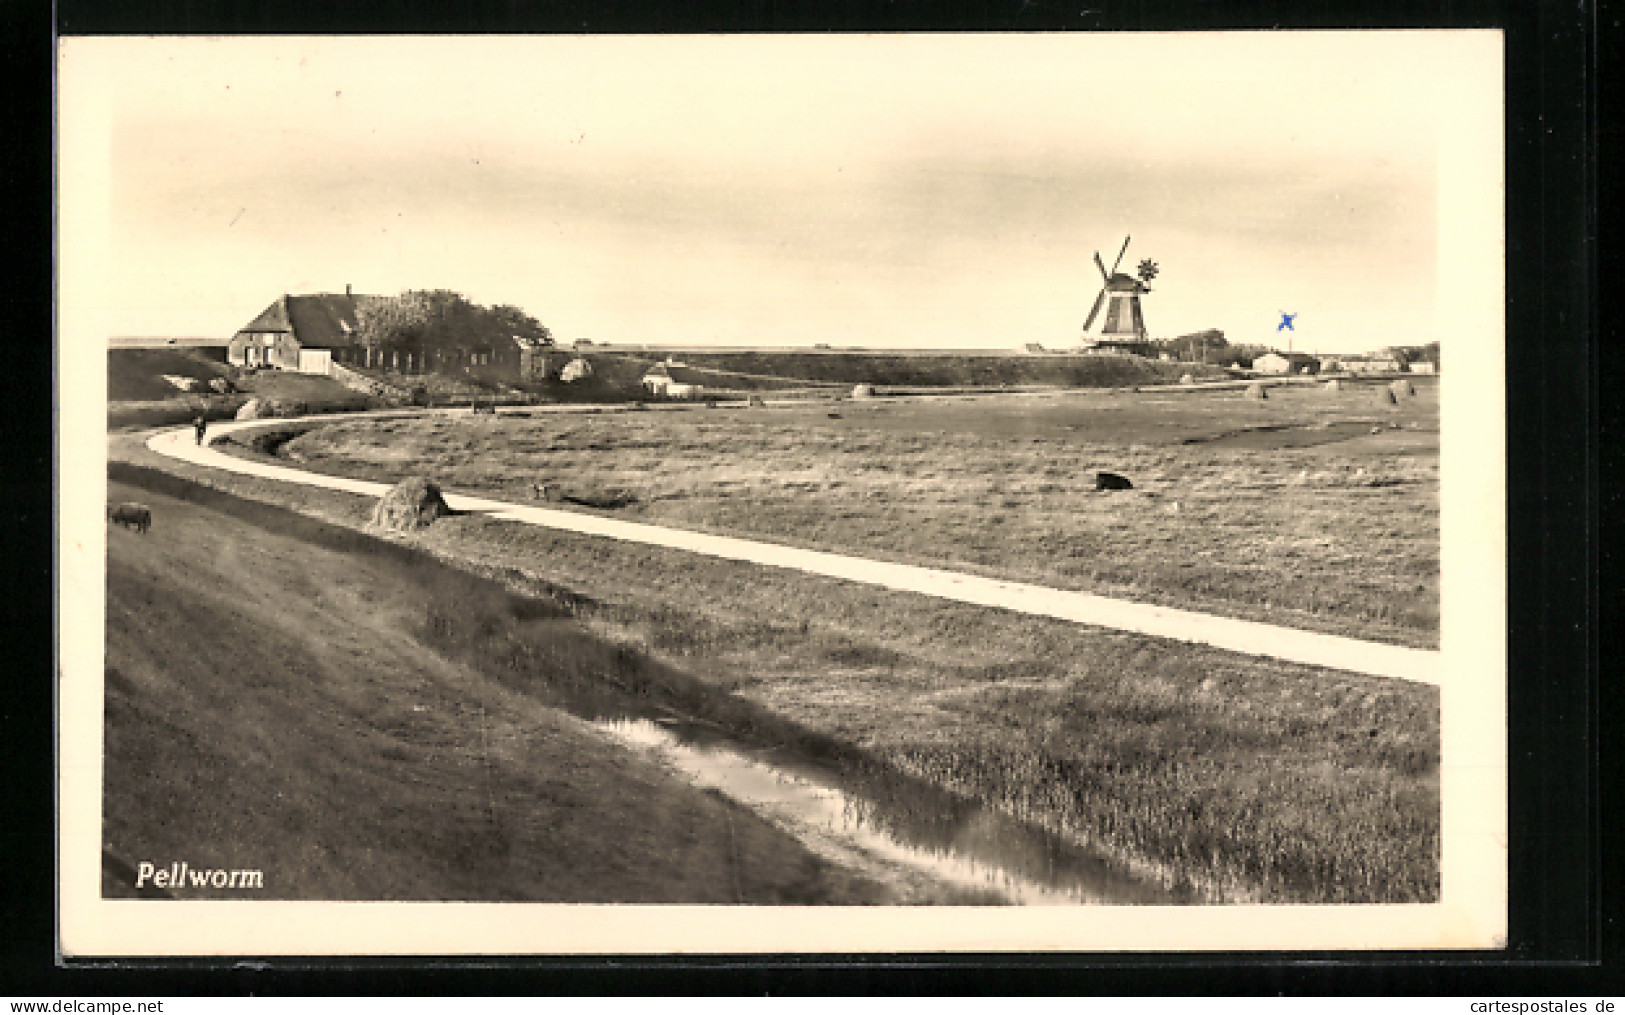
1286	322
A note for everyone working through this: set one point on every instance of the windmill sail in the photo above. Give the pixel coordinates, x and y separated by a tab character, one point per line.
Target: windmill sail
1094	312
1120	254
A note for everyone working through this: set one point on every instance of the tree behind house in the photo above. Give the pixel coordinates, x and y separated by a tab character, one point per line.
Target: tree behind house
431	321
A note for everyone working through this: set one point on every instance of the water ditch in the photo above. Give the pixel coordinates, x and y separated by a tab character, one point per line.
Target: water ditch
901	826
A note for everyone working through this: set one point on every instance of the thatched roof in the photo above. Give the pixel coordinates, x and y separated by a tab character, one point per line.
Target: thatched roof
272	318
317	321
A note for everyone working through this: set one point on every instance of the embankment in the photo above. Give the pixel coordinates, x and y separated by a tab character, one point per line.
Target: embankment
296	698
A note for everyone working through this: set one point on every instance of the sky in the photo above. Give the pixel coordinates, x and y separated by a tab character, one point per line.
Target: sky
913	191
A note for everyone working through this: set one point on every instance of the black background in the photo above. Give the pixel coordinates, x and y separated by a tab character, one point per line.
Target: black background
1563	460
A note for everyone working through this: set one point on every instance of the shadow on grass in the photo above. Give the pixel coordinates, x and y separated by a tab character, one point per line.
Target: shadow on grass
534	645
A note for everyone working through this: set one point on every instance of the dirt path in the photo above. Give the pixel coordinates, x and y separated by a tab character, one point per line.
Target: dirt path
1242	636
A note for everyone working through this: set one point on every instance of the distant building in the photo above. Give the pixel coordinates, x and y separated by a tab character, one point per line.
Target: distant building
1034	348
1117	346
1422	366
1371	364
1286	363
674	380
533	358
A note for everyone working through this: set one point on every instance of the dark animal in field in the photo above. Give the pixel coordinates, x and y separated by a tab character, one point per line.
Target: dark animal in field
1112	481
545	491
131	515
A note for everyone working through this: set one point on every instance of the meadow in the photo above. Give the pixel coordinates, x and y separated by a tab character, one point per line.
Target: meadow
1290	511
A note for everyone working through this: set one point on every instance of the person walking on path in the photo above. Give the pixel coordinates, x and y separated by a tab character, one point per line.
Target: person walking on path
200	426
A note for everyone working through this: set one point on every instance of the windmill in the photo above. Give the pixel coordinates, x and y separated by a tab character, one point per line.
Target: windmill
1124	321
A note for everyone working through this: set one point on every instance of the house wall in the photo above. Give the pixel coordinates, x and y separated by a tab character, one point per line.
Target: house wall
263	349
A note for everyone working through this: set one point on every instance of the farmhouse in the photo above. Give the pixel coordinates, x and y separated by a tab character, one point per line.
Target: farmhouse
1286	363
303	333
310	333
674	380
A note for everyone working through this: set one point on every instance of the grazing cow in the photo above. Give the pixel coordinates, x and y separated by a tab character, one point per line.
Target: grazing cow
1112	481
131	515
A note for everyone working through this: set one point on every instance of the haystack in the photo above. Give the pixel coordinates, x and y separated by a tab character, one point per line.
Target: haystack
412	504
1256	390
1387	397
1187	379
1334	385
1402	388
254	408
864	391
221	386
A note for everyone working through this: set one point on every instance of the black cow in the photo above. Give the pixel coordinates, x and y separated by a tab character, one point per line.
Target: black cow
131	515
1112	481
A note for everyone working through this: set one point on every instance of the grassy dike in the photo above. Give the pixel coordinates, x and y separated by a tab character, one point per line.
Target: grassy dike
1260	780
288	697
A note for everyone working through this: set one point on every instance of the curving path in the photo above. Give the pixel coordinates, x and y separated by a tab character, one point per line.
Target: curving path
1243	636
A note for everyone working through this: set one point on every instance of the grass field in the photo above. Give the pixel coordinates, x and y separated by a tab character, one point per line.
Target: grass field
942	369
275	700
1290	511
138	374
139	396
1251	779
